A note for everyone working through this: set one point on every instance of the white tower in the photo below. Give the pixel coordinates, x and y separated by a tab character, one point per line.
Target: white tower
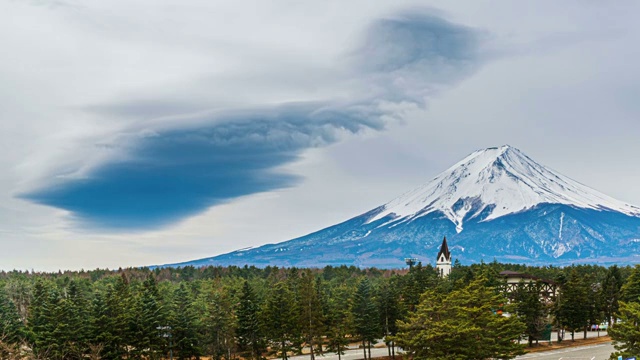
443	263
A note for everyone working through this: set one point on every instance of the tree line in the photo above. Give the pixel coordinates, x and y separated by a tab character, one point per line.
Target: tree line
252	313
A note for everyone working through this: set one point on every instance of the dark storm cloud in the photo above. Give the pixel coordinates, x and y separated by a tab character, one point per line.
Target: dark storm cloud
176	173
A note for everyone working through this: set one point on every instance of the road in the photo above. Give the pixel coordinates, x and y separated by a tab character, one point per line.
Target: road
590	352
578	335
594	352
349	355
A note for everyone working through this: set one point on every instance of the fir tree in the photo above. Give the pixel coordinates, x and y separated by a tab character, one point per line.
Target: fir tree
100	326
572	309
610	293
111	327
389	310
626	333
218	323
149	316
365	315
461	325
311	316
184	327
594	301
11	327
19	292
631	288
531	309
42	320
416	282
75	314
339	320
280	317
249	327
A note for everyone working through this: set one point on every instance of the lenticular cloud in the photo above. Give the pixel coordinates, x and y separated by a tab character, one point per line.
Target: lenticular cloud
162	175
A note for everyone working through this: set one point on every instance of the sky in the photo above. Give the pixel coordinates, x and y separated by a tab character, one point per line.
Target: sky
147	132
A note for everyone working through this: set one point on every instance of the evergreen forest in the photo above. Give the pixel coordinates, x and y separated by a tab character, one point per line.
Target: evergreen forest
254	313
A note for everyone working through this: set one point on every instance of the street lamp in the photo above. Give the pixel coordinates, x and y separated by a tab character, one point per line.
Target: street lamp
410	262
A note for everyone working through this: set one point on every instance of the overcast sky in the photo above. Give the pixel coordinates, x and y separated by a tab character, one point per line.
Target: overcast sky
146	132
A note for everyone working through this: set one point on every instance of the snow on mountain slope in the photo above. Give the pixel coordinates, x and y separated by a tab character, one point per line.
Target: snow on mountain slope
495	182
512	210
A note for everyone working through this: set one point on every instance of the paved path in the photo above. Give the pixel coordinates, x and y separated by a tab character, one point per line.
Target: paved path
350	355
578	335
354	354
589	352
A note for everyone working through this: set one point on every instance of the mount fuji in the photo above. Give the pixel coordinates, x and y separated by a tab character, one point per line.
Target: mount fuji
496	203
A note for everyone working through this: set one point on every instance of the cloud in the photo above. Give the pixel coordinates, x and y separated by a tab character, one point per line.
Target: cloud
176	173
410	55
54	3
143	109
168	170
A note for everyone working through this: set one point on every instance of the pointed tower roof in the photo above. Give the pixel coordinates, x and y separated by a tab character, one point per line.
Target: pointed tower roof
444	249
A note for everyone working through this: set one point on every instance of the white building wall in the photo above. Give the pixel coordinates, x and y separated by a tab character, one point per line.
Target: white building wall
443	266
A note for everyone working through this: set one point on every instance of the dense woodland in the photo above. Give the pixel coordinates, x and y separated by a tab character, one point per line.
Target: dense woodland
251	313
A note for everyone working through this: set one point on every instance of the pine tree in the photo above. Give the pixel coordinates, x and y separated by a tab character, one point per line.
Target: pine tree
218	323
61	313
42	320
293	283
530	308
572	309
149	316
339	320
365	315
626	333
462	324
594	301
280	319
610	293
311	316
11	327
101	326
75	313
184	328
419	279
249	332
112	319
631	288
19	292
388	303
57	339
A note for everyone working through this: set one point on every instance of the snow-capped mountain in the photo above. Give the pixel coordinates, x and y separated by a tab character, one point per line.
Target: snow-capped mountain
495	203
501	180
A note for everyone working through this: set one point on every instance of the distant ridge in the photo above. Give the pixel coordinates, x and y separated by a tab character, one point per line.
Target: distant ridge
495	203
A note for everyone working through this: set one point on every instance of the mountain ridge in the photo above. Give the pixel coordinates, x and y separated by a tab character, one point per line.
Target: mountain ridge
495	203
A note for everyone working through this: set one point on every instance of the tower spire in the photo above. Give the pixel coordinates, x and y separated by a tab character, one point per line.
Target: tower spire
444	250
443	262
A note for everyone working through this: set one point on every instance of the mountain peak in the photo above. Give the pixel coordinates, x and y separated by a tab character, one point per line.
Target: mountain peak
504	147
494	182
544	217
